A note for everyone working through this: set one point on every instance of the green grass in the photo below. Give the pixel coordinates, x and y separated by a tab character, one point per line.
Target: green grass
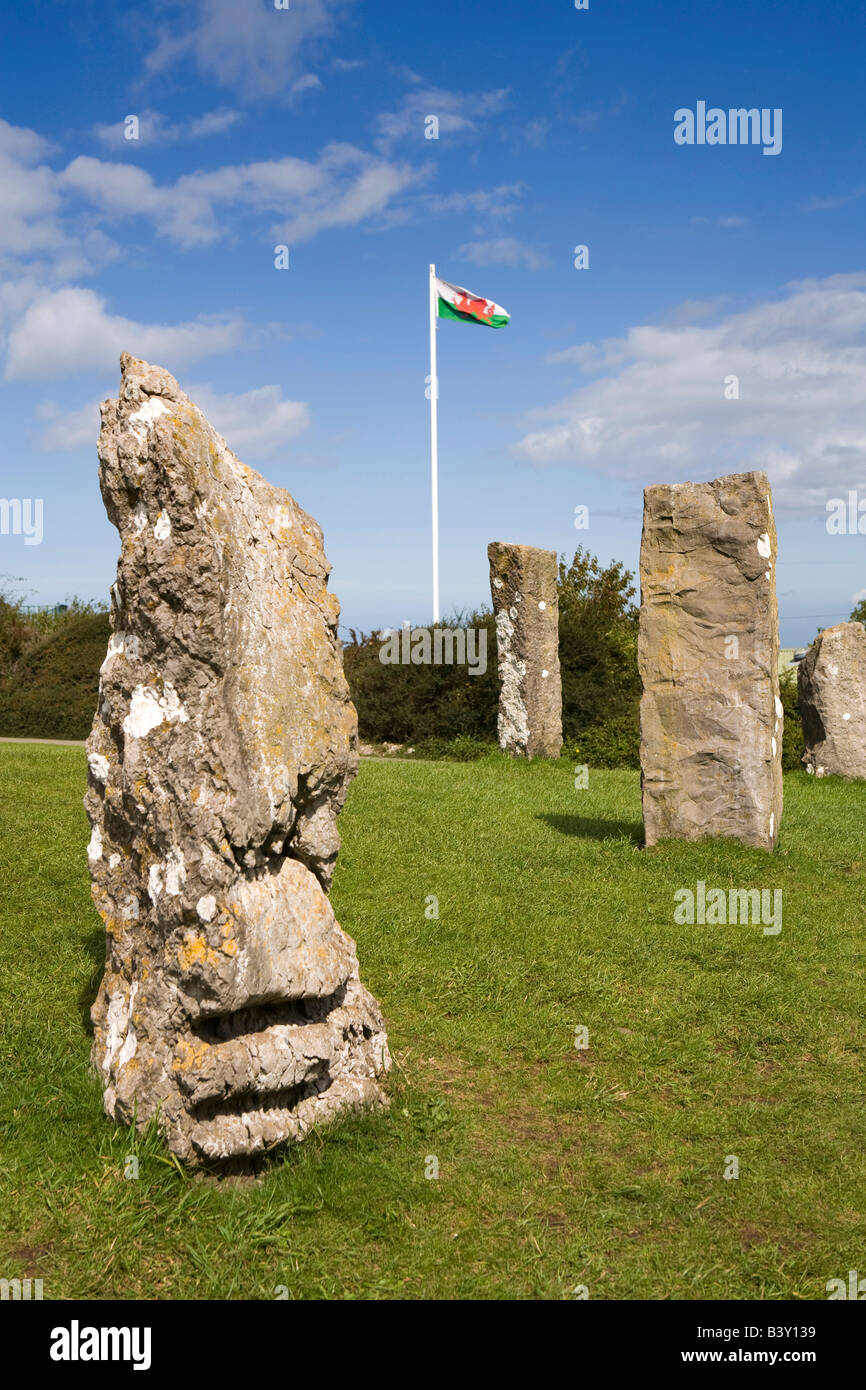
558	1166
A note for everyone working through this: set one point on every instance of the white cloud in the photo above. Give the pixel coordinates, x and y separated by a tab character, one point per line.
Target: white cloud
458	113
658	410
74	429
842	200
344	187
502	251
254	424
729	221
534	134
155	128
68	330
30	198
501	201
243	44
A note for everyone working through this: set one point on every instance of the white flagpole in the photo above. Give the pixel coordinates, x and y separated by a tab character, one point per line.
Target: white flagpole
434	442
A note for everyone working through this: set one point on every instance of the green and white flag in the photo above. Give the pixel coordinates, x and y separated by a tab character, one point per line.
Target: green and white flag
456	303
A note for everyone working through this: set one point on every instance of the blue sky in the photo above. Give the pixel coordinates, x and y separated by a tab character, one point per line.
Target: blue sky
306	127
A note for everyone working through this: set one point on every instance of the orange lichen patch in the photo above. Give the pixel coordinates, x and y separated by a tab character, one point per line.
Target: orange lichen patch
195	794
229	944
187	1056
194	950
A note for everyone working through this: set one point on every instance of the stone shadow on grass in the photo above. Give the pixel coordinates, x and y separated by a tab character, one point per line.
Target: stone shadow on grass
596	828
94	945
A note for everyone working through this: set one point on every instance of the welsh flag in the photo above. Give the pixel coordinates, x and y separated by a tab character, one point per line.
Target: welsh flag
457	303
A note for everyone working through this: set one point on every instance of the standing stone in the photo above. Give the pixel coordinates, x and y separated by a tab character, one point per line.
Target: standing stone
523	585
710	714
831	693
221	751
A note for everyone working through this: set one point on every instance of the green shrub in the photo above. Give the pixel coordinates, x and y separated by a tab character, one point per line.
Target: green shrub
612	743
50	691
463	749
597	646
792	728
400	704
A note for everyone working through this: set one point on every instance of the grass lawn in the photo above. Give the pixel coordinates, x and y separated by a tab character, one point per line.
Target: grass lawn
559	1166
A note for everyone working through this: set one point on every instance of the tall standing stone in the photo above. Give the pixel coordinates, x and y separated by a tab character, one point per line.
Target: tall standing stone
525	602
221	751
711	717
831	692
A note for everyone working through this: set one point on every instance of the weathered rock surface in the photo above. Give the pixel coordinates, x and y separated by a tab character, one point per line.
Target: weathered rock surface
220	754
831	693
711	718
525	601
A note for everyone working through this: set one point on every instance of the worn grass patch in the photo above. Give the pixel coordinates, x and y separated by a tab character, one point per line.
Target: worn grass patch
558	1166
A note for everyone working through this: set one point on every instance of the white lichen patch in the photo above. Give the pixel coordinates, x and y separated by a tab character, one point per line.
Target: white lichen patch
94	849
162	527
154	882
98	765
764	547
130	908
139	517
145	417
774	746
779	707
148	709
206	907
121	644
175	872
119	1033
113	861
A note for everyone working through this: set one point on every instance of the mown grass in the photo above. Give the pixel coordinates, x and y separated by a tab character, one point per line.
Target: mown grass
558	1166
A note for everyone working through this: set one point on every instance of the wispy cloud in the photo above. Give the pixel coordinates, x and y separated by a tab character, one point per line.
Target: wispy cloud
345	186
840	200
731	220
69	330
255	424
254	49
658	410
457	113
503	251
155	128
